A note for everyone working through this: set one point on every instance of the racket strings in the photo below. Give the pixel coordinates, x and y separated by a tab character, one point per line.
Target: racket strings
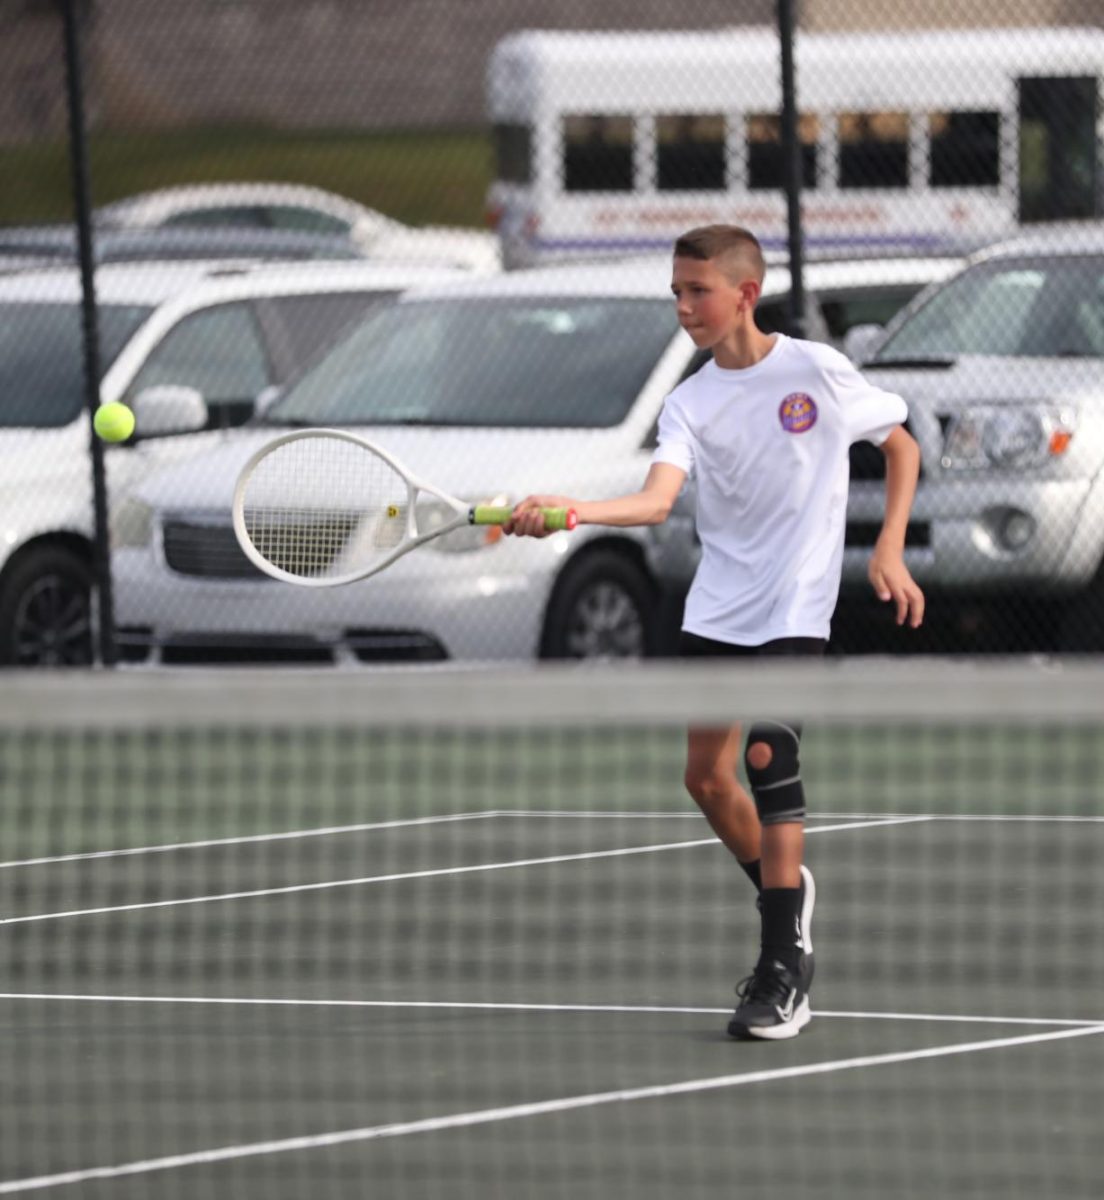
321	508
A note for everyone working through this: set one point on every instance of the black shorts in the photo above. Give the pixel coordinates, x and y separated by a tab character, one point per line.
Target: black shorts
693	646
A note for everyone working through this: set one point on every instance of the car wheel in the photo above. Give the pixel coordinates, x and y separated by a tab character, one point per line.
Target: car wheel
602	607
46	610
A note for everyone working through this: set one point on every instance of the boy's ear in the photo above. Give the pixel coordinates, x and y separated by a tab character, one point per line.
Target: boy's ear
750	291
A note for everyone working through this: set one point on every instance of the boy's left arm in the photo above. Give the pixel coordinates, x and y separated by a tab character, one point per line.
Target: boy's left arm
887	571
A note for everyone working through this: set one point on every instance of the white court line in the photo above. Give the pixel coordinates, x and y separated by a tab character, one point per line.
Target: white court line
1039	820
973	1020
488	1116
365	879
287	835
586	814
495	1006
396	877
326	831
613	814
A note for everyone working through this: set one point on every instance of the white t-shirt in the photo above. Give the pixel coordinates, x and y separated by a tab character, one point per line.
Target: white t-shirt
768	446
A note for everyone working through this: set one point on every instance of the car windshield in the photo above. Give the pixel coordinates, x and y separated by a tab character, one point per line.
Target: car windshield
513	361
1017	307
42	359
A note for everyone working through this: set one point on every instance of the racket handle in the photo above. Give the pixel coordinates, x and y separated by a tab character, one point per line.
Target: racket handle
554	518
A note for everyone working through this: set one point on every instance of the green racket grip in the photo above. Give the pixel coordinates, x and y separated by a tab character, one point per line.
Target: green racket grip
554	518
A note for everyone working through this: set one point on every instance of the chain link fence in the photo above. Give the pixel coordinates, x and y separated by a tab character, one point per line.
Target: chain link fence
448	226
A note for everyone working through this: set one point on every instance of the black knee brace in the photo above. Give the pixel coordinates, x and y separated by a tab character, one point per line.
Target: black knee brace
777	789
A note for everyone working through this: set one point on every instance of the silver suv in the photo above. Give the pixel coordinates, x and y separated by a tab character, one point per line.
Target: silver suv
1002	367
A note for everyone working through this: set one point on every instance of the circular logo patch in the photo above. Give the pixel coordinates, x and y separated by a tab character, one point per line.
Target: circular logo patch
798	412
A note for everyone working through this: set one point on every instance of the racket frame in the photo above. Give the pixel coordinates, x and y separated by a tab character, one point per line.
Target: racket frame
412	537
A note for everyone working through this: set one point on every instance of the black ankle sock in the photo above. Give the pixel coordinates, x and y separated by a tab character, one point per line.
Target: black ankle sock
751	870
782	925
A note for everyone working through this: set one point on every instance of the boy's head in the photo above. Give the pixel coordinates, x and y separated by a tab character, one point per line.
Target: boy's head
734	251
717	277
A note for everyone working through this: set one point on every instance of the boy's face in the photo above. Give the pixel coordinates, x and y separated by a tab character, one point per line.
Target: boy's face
712	303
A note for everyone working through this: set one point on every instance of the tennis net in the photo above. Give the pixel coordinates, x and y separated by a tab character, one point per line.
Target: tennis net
464	934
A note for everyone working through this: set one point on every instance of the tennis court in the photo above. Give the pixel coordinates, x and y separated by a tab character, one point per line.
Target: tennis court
527	997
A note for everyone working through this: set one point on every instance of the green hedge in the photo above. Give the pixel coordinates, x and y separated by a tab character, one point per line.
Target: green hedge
434	177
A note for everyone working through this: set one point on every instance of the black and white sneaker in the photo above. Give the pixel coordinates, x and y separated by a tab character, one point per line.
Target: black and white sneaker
808	902
772	1004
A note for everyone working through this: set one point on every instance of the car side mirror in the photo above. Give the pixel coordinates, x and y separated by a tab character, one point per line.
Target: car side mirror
167	409
860	340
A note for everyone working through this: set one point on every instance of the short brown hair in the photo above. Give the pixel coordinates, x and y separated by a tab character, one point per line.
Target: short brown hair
722	244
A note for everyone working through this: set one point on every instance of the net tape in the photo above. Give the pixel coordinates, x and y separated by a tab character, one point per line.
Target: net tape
928	691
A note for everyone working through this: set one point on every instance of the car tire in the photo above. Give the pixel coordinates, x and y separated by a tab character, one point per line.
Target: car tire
46	610
604	606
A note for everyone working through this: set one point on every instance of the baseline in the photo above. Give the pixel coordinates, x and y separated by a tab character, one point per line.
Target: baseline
494	1006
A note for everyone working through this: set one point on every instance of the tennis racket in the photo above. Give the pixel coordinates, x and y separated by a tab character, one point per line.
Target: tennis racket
321	507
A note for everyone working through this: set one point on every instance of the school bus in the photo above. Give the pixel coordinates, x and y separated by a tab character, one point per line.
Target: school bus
611	143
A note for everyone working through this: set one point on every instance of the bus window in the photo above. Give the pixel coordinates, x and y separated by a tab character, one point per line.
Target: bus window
766	157
512	151
690	153
1058	167
965	149
874	150
598	154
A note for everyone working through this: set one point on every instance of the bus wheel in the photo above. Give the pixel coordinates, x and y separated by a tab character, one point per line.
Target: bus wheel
46	610
603	607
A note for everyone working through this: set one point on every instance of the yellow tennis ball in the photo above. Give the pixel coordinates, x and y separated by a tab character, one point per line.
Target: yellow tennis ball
114	422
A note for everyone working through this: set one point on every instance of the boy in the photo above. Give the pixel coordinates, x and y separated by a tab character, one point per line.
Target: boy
766	428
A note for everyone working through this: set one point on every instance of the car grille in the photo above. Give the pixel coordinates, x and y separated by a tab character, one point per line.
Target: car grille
299	543
139	644
208	550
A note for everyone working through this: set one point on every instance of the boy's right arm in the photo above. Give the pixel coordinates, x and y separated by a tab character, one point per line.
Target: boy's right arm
650	506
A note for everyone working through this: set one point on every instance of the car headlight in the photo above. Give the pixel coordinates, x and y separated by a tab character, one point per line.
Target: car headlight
131	523
1005	437
432	515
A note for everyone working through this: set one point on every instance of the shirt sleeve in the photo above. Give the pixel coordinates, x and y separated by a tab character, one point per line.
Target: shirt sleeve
869	414
675	440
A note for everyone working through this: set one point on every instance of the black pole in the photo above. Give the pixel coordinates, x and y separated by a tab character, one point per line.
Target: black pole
791	148
78	156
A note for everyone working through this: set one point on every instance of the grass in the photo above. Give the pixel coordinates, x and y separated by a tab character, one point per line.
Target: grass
420	177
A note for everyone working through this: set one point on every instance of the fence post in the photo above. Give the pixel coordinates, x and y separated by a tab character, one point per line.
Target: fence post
104	645
791	147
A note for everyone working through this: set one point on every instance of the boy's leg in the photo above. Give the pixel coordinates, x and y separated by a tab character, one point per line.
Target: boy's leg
774	1001
783	852
711	779
774	770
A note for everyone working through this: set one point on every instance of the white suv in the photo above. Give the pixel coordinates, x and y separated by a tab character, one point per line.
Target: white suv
534	381
230	331
1003	371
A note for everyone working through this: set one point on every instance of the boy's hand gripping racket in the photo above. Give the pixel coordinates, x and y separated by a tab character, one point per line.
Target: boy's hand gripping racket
321	507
